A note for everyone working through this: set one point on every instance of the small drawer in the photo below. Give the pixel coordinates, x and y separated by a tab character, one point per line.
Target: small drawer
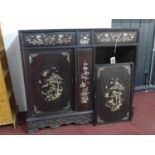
85	38
47	39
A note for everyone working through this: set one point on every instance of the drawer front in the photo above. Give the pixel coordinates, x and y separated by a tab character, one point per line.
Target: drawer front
103	37
49	81
84	78
113	92
45	39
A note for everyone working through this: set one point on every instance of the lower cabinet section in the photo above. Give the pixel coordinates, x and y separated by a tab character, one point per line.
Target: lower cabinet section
49	78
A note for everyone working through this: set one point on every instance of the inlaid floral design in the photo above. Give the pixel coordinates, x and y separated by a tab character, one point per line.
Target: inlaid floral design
39	39
113	95
84	95
84	38
111	37
51	84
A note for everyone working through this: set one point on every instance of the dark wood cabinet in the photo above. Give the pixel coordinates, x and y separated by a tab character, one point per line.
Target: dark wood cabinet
59	71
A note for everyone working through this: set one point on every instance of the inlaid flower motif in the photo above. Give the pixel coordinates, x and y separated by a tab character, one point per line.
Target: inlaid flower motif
113	95
84	95
51	84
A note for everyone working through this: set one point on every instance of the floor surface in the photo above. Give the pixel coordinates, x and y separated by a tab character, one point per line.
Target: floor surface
143	122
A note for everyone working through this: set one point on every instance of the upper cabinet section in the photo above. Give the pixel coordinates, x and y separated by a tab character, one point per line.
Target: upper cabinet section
77	37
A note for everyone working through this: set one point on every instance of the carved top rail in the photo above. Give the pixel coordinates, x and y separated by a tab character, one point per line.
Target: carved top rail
77	37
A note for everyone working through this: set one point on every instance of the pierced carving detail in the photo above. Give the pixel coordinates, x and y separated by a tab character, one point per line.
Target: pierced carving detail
33	126
42	39
84	95
51	83
114	94
111	37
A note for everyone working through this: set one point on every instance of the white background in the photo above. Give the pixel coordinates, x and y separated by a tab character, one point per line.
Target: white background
30	14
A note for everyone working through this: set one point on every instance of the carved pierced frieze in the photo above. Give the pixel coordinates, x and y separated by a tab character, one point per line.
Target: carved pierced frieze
49	39
36	39
112	37
33	126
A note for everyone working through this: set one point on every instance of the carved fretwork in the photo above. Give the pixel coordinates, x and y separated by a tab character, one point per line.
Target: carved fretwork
56	122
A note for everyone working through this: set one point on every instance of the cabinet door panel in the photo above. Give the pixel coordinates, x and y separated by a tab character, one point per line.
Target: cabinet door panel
113	92
50	81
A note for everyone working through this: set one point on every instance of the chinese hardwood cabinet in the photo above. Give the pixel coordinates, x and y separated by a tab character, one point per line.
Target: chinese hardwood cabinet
59	71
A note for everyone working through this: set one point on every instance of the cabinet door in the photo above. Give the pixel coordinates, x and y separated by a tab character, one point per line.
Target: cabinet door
48	81
113	92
